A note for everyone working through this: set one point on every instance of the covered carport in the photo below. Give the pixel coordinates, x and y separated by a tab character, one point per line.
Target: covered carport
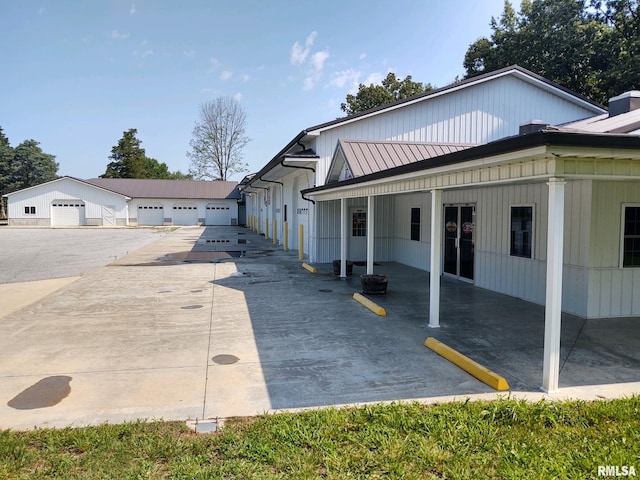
551	158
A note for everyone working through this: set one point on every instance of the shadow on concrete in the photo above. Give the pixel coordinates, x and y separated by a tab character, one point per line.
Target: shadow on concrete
317	346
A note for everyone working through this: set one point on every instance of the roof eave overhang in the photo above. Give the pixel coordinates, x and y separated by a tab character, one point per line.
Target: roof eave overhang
546	144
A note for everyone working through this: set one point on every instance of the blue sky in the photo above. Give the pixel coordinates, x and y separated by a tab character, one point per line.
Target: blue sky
77	74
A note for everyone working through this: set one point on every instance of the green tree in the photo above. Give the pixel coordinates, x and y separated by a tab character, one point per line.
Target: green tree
390	90
589	48
129	160
31	166
218	140
6	160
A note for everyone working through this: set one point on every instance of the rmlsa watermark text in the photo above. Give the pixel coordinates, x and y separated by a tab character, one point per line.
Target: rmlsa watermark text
616	471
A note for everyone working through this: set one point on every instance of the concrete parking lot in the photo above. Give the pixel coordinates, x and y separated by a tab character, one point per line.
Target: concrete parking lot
217	322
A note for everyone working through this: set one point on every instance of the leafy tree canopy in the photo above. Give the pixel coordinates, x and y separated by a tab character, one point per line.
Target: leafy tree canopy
129	160
23	167
590	47
390	90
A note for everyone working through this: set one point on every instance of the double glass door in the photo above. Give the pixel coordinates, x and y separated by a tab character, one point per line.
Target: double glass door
459	240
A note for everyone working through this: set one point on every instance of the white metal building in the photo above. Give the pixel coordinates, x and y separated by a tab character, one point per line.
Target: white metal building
465	182
68	201
472	112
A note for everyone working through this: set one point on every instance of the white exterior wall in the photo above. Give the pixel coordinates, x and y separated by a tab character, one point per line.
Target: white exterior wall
613	291
475	114
406	251
43	195
168	205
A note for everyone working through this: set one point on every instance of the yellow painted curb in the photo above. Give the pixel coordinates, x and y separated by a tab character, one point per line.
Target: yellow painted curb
310	268
483	374
377	309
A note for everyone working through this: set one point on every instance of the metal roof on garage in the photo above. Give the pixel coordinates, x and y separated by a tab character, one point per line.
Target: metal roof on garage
177	189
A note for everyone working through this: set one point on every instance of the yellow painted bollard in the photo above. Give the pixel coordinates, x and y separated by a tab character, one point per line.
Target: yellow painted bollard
301	242
285	236
275	230
266	228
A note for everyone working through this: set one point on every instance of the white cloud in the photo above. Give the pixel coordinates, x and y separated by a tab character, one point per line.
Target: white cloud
344	78
237	97
117	35
213	65
362	56
226	75
245	78
143	53
318	59
374	78
299	53
132	10
309	83
190	53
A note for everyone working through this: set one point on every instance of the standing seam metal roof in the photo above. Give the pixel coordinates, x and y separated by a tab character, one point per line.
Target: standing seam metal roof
365	157
176	189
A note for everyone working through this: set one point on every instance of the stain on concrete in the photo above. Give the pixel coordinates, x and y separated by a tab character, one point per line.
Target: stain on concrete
191	307
48	392
225	359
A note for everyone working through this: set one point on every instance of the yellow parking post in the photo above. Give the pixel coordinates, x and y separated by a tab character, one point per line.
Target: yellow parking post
301	242
285	236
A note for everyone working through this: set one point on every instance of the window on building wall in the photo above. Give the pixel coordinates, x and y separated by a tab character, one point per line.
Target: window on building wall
522	231
359	224
631	237
30	210
415	223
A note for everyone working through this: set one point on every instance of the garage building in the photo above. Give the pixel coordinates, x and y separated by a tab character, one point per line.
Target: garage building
69	201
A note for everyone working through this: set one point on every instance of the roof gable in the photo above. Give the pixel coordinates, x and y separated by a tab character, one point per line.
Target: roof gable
355	158
515	71
66	179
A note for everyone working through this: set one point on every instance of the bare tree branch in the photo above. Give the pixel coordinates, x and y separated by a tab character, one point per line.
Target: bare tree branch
218	140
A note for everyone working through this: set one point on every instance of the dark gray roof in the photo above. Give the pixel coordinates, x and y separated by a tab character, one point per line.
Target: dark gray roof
147	188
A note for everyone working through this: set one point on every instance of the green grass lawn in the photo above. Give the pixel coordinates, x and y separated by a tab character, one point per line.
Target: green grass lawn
476	440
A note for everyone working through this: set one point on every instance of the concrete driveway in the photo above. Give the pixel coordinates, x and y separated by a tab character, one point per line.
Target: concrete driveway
218	322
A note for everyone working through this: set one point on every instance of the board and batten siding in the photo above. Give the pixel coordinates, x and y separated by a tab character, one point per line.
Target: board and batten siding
328	230
415	253
476	114
613	291
42	196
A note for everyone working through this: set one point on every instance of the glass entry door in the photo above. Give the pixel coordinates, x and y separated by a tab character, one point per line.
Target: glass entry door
459	240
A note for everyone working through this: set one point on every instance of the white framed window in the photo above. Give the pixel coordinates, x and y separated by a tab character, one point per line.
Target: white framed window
521	230
630	237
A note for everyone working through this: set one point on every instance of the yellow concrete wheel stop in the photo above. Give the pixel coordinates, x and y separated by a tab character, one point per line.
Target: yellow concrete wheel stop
483	374
310	268
374	307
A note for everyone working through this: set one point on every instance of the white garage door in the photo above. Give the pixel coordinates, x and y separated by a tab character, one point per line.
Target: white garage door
150	215
185	215
218	214
67	213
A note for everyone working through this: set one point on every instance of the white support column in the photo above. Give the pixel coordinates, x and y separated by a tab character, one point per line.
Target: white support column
344	228
370	230
436	254
553	302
